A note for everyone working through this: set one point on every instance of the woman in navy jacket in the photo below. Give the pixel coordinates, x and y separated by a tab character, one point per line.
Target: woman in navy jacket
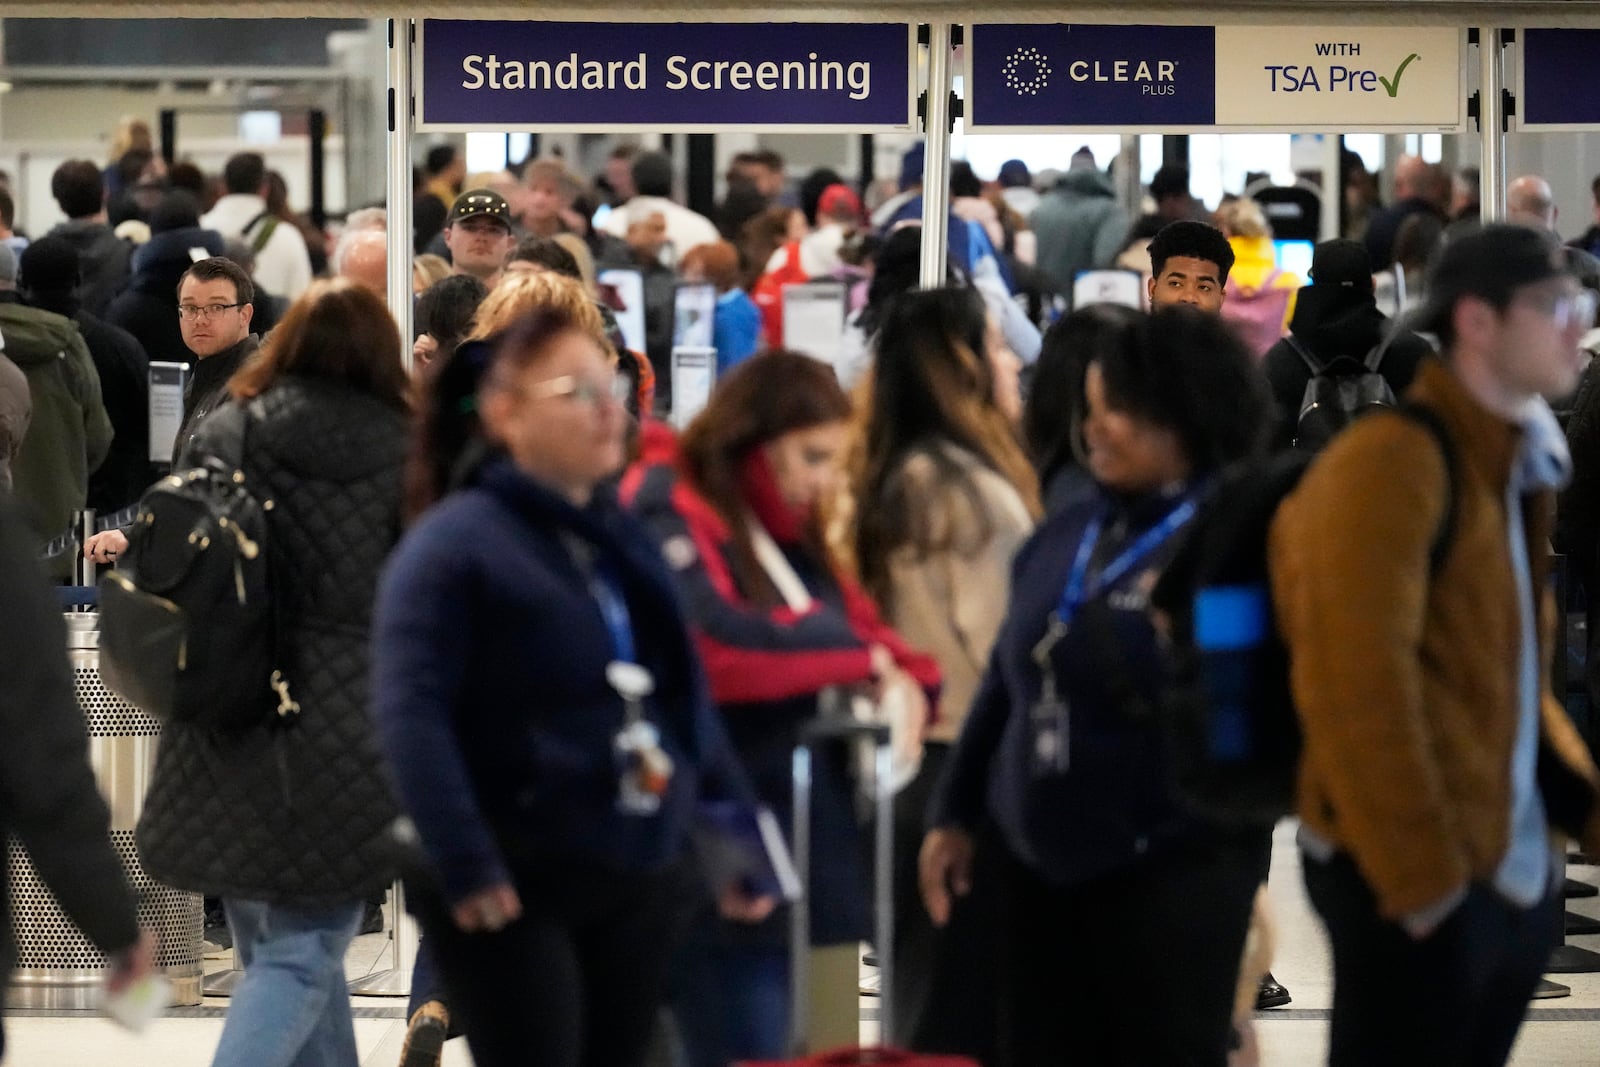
542	708
1122	919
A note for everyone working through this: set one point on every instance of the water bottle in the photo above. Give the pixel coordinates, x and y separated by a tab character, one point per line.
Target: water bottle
1230	625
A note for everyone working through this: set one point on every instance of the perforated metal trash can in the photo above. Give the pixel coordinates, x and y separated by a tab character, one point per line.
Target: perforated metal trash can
57	967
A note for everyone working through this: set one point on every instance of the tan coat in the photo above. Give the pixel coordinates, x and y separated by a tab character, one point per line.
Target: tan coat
1405	682
950	603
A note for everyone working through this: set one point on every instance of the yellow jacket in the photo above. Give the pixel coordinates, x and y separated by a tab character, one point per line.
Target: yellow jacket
1406	681
1254	260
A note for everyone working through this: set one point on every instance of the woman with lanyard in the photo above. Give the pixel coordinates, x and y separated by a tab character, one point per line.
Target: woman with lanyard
1121	919
542	707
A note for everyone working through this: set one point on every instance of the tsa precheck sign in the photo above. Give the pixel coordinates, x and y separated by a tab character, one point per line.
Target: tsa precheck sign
524	75
1177	79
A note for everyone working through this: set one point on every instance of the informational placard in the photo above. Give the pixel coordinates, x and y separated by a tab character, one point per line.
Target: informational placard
166	408
650	77
1125	287
694	374
813	320
1186	79
694	309
1558	84
627	303
1341	78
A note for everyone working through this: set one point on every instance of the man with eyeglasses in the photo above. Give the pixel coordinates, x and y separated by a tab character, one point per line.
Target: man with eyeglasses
1412	588
479	235
214	312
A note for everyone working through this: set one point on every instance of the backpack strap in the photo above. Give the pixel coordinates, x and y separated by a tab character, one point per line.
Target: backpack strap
225	434
1315	365
260	240
1379	350
1429	420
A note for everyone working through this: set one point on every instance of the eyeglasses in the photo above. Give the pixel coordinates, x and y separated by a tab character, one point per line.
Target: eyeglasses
582	390
204	311
1565	307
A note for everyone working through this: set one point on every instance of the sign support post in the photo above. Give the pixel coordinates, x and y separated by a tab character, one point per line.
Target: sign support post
936	159
1491	124
401	34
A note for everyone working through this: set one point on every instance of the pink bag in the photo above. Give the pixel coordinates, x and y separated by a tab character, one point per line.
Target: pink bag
1257	315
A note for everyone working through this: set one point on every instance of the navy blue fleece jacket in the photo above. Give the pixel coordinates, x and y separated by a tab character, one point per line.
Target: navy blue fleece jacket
490	694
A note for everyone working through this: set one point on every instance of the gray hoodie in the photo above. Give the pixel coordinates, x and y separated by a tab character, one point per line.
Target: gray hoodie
1079	226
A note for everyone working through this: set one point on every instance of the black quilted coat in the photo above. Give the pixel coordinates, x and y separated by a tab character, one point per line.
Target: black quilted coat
297	815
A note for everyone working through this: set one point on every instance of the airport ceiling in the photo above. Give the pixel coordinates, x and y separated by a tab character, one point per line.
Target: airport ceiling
1507	13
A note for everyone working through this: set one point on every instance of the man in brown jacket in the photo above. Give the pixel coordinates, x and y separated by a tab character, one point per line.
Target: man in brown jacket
1436	758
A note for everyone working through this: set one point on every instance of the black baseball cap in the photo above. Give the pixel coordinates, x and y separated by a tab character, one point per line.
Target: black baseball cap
1342	262
1491	264
480	203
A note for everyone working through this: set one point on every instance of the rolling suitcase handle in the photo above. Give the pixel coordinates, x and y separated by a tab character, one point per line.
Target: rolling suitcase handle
829	728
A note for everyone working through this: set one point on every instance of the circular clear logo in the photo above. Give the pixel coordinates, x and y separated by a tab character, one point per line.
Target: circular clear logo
1027	71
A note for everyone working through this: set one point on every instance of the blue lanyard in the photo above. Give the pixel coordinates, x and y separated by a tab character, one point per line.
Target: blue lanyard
1078	593
614	610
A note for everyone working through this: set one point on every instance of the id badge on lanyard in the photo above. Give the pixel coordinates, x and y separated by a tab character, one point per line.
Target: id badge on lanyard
644	769
1050	719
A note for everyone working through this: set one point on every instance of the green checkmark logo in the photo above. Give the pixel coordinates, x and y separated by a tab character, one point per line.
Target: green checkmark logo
1393	87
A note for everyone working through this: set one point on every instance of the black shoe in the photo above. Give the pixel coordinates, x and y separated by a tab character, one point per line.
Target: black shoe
372	919
1271	994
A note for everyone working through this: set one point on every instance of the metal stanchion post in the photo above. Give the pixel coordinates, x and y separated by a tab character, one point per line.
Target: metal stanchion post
396	981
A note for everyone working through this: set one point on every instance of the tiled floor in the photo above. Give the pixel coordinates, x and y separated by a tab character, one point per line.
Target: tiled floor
1560	1033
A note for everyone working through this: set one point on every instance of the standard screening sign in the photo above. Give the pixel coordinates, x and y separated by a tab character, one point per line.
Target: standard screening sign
660	76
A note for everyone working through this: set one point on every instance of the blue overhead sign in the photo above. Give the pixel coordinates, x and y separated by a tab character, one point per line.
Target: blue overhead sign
1560	88
658	76
1087	76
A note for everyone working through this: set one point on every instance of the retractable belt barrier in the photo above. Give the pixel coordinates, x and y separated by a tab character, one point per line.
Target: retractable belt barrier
70	537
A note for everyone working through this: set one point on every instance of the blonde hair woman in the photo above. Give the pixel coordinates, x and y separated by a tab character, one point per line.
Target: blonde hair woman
520	293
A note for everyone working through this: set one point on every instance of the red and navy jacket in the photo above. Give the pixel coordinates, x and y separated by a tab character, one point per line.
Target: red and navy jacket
767	667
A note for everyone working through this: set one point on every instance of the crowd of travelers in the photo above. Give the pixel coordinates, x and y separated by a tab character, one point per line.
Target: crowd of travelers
541	642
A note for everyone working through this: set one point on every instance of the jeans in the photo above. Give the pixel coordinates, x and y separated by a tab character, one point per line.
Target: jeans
731	1002
292	1008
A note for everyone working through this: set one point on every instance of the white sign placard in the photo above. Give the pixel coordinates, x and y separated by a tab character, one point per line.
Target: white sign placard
1125	287
813	320
166	408
694	374
1341	78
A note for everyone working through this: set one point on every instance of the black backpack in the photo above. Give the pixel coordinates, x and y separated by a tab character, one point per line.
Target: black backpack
1339	392
1232	733
187	626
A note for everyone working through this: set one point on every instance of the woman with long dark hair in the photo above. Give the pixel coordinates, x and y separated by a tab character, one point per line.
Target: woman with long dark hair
778	622
541	705
1104	883
1053	417
287	821
944	497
